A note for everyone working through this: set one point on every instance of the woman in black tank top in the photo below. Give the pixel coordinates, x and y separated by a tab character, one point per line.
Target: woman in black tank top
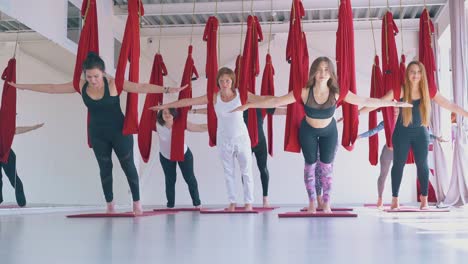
411	129
106	122
318	129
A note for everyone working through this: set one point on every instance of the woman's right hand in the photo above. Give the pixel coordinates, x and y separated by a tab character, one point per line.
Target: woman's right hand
157	107
14	85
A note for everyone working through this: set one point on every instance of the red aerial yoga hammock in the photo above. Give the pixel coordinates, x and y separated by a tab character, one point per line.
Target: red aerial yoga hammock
180	123
391	72
148	117
346	72
376	91
249	71
297	80
130	51
268	88
210	36
8	111
89	41
426	54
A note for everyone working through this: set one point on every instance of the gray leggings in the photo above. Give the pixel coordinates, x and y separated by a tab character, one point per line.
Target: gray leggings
386	158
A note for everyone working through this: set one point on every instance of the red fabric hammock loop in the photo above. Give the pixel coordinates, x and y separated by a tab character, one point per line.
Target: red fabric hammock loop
346	72
8	111
148	117
268	88
426	53
249	71
297	56
180	123
210	35
376	91
89	42
130	51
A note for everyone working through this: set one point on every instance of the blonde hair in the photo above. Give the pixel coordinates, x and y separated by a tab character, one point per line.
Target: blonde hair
226	71
425	105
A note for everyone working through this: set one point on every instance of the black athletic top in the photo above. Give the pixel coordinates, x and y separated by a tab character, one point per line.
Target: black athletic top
105	112
320	111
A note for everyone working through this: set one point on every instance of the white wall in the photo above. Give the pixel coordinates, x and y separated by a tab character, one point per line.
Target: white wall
57	166
355	179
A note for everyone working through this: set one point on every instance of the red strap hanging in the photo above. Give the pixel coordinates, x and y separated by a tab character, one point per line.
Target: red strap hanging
88	42
8	111
268	88
376	91
130	51
210	36
249	71
426	53
148	117
180	123
295	55
346	72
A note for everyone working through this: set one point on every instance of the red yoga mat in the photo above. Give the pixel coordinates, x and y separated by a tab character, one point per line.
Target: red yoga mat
417	210
336	209
190	209
317	214
126	214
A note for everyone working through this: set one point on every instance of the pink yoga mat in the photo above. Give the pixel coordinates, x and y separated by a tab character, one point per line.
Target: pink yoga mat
190	209
225	211
417	210
126	214
9	206
336	209
375	205
317	214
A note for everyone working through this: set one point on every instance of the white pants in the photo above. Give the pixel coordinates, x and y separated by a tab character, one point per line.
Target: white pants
229	150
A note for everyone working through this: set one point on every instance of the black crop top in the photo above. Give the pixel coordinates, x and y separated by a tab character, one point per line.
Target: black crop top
320	111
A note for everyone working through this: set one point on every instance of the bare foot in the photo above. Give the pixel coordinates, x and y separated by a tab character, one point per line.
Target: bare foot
311	208
265	202
319	202
424	203
248	207
326	208
110	208
379	203
197	206
137	209
231	207
395	204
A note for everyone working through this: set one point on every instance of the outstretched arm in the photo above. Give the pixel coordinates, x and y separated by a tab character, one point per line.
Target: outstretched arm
269	102
25	129
373	131
132	87
47	88
196	127
182	103
445	103
374	103
387	97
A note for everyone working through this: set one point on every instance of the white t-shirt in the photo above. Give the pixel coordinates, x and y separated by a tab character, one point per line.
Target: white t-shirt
165	137
230	125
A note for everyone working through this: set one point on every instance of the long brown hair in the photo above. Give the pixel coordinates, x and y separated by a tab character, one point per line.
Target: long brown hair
425	105
332	82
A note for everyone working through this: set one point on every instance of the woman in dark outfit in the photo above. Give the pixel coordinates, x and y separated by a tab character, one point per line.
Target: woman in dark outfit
106	122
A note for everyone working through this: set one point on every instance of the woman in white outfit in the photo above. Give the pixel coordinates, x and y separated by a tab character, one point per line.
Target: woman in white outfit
232	135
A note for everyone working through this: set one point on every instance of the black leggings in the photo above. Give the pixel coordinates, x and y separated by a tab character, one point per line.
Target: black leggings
403	139
15	181
186	167
103	141
261	155
320	141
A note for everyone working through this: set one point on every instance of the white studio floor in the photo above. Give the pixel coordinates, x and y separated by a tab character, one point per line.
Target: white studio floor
42	234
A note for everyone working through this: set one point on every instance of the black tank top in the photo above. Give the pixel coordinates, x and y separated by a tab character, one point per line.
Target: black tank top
320	111
105	112
416	121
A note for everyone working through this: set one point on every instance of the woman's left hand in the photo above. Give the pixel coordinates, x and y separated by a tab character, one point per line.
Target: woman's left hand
176	89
